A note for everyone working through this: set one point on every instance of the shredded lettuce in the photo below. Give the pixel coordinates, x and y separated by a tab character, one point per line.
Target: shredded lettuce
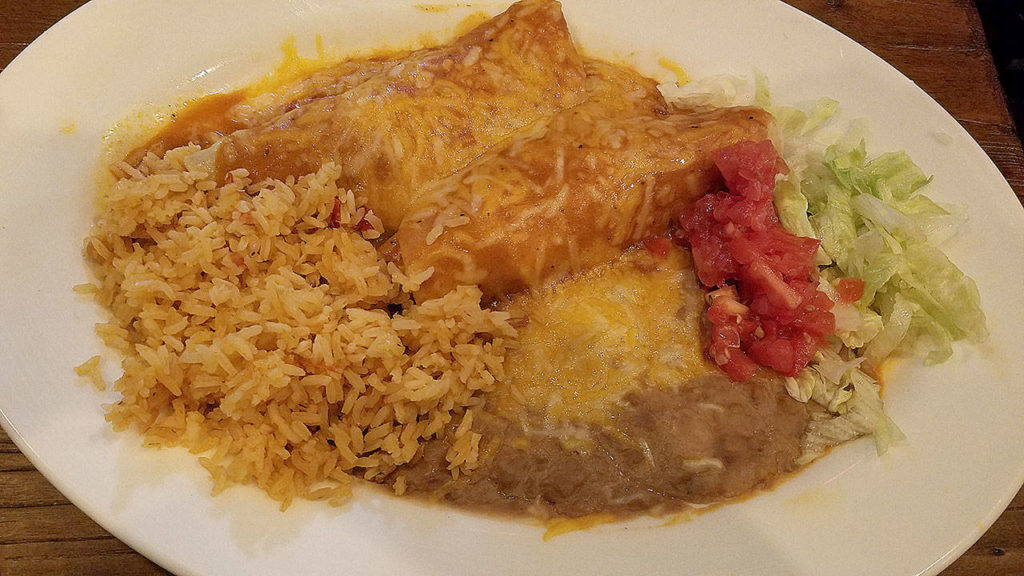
834	222
898	316
874	224
792	208
863	414
877	227
891	176
851	403
709	92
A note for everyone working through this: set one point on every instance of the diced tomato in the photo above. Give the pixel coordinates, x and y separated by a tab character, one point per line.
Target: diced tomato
334	220
364	224
767	309
657	245
749	169
778	292
729	327
850	289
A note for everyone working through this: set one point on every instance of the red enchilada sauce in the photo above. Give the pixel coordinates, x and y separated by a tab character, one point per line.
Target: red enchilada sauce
201	122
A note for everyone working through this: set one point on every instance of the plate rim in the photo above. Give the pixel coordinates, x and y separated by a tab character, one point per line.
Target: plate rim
158	555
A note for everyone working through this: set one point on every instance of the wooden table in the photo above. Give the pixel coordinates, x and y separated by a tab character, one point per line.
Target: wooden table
939	44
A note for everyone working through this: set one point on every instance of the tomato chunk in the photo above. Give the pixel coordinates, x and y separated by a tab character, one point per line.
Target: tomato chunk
850	289
766	309
657	245
334	218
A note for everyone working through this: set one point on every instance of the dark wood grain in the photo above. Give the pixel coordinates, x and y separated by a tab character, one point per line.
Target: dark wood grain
105	556
27	488
937	43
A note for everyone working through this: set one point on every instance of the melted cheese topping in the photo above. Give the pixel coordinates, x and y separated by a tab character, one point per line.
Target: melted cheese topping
423	116
631	323
572	191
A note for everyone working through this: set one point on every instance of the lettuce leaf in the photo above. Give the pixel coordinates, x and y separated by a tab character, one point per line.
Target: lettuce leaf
891	176
874	224
852	405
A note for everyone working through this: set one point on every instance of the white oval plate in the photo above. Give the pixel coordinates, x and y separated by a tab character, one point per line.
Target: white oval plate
912	511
